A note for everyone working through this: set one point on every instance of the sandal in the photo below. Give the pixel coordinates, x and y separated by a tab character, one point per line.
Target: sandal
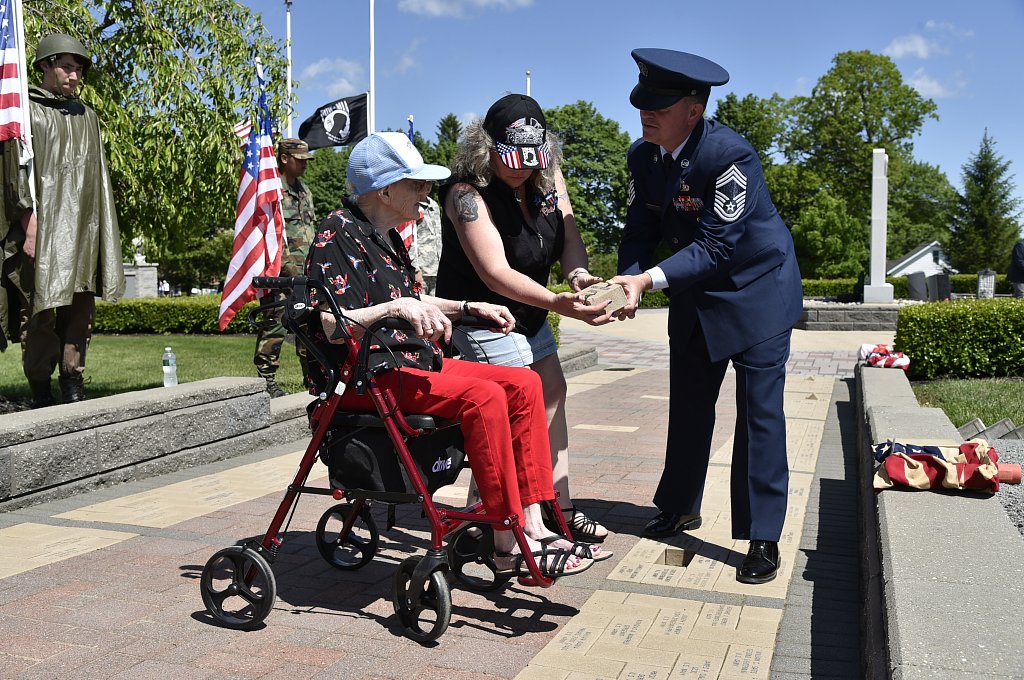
551	561
583	528
581	549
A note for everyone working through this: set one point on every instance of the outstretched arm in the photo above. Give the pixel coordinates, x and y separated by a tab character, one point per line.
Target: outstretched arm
480	239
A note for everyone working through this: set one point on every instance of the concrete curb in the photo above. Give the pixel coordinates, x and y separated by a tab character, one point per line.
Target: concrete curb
944	577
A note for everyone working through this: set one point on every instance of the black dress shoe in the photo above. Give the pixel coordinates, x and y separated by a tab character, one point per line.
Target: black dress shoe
670	524
761	563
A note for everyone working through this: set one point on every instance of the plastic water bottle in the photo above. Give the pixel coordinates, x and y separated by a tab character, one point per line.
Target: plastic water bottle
170	368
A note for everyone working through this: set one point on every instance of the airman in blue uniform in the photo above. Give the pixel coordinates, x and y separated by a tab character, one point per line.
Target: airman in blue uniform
735	294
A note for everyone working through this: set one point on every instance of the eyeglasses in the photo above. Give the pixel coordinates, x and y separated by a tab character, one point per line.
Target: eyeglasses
420	184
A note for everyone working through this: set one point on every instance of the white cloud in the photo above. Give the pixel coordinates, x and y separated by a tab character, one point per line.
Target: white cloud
934	40
948	28
913	45
408	61
457	8
928	86
338	77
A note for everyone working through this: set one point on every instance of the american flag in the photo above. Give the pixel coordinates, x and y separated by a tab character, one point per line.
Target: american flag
407	230
259	225
510	155
545	155
11	110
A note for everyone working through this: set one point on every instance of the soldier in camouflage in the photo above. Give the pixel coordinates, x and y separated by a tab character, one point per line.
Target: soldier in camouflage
425	252
300	229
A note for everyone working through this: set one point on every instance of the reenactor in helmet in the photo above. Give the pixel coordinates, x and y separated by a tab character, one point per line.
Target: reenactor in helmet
68	244
300	229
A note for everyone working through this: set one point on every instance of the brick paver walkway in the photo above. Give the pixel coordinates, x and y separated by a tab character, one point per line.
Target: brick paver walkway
104	585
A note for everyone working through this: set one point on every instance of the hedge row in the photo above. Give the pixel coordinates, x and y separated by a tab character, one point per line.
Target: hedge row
963	339
965	284
195	314
192	314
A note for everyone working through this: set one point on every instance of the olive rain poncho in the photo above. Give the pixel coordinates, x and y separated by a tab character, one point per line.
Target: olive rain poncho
78	243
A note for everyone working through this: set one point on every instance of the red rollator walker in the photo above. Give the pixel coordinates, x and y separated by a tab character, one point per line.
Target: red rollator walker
388	457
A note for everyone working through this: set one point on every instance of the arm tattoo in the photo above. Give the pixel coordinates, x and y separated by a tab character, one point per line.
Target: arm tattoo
465	205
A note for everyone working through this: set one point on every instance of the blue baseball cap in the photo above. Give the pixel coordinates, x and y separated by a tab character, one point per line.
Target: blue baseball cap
383	158
666	76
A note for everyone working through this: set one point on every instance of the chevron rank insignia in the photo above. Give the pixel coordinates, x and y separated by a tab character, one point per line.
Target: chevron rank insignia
730	194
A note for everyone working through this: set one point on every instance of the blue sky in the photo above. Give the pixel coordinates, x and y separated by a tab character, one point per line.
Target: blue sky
435	57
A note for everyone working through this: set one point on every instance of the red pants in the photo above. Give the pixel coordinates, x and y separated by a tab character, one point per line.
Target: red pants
503	422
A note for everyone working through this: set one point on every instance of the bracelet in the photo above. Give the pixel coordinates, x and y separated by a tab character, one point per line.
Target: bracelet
465	308
579	271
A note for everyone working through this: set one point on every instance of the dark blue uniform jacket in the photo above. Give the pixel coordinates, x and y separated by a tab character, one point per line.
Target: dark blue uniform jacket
733	265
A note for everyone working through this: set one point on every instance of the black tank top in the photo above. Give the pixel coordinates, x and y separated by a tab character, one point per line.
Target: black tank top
530	250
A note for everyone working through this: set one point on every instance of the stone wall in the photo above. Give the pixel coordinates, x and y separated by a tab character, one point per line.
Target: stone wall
848	317
58	451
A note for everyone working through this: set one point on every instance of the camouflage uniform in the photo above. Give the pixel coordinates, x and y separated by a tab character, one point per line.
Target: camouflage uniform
300	229
426	247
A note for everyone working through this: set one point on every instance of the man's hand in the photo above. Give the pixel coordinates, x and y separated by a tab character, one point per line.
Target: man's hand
635	286
28	225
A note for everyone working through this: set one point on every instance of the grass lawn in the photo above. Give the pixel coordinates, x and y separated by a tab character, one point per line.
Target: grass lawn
990	399
123	363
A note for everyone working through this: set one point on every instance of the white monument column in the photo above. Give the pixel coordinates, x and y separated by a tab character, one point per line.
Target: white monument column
877	290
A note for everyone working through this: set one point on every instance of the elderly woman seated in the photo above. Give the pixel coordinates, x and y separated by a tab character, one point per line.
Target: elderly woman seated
361	258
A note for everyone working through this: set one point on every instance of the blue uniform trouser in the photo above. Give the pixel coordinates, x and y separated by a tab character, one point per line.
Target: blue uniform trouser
760	472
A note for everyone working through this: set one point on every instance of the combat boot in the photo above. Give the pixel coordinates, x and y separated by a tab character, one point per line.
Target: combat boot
42	394
273	389
72	388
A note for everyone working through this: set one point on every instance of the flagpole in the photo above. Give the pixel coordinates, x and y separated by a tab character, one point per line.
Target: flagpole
527	82
371	100
26	123
288	47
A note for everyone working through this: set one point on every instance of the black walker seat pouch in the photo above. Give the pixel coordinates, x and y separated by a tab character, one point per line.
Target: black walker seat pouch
359	454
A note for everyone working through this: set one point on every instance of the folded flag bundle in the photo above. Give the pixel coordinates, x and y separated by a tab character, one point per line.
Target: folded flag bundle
973	465
883	356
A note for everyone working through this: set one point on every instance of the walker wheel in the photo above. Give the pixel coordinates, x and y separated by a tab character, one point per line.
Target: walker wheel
354	550
238	587
470	556
427	620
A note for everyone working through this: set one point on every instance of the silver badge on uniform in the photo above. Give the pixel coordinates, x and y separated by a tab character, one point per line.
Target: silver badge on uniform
730	194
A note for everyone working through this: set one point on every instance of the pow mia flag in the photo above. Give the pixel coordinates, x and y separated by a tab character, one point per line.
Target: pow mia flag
338	123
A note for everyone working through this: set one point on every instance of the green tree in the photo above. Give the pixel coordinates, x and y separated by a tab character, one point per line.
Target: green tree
986	224
762	122
169	81
325	177
594	149
921	205
830	242
859	105
201	263
449	129
792	188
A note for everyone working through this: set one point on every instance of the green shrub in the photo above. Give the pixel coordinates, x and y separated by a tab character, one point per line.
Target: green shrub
829	287
191	314
963	339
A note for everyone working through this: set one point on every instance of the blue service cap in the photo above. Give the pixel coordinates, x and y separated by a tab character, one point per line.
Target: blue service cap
666	76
